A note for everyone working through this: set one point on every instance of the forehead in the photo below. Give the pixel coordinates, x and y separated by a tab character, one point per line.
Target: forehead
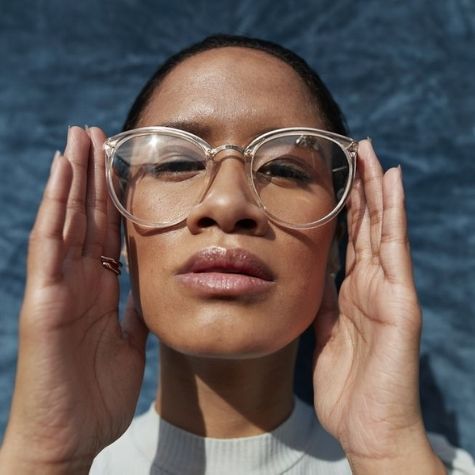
233	92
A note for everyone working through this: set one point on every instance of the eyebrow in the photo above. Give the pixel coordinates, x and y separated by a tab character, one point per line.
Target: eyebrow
202	130
192	127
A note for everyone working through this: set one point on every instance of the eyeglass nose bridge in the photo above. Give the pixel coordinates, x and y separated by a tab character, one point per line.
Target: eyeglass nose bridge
211	154
215	151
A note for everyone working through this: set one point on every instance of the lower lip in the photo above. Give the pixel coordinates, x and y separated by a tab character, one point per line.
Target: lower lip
224	284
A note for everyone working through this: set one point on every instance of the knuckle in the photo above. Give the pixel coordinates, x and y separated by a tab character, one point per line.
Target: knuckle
390	238
76	204
79	162
33	237
37	238
97	203
50	197
372	179
376	215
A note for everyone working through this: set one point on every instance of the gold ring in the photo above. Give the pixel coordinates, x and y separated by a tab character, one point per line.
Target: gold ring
111	264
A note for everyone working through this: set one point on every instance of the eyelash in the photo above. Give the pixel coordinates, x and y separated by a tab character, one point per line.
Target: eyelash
175	168
284	170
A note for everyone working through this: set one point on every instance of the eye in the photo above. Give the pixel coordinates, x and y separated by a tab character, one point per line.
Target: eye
175	168
121	167
284	169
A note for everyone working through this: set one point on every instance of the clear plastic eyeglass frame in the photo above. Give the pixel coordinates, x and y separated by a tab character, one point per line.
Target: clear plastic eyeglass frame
347	145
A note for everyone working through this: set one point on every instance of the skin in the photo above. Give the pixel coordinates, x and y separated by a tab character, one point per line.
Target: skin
254	340
79	370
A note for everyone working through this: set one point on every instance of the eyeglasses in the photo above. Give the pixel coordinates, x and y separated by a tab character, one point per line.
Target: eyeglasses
300	177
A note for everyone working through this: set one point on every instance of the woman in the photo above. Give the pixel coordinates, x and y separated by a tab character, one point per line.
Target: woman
232	254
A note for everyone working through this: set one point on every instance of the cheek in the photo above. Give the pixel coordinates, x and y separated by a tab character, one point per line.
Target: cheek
304	266
148	258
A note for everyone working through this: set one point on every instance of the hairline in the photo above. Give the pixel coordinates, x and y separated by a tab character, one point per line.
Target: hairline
155	90
321	98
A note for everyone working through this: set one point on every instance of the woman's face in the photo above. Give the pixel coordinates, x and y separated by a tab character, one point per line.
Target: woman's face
228	282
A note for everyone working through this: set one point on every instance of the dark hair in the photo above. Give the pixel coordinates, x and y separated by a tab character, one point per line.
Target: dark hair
324	101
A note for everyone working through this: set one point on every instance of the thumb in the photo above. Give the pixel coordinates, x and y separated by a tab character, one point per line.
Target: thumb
133	327
327	314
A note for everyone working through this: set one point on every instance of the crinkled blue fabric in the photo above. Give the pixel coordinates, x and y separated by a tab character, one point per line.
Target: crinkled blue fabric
403	72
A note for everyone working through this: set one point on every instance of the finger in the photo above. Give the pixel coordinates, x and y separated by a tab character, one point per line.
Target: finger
359	235
77	152
46	247
133	326
372	176
394	253
112	245
327	314
350	258
96	201
350	247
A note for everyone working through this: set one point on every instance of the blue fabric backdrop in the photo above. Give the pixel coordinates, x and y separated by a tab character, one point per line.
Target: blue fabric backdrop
403	72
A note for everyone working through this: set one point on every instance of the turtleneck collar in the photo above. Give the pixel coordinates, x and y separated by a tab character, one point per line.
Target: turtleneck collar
177	451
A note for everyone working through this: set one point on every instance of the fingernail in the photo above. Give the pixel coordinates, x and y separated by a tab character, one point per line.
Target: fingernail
69	140
370	140
56	156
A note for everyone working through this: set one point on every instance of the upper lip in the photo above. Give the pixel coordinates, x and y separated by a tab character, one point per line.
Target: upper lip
219	259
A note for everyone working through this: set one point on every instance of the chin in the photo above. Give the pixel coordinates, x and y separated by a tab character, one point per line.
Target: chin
226	330
219	352
227	343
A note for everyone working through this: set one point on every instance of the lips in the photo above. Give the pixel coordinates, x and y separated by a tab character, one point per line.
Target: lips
232	261
229	272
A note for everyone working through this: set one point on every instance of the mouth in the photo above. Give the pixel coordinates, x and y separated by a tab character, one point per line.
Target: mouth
217	271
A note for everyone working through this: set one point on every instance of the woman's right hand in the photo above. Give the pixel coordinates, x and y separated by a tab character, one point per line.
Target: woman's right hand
79	369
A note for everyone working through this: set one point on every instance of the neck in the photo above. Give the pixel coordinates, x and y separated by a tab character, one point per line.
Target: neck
222	398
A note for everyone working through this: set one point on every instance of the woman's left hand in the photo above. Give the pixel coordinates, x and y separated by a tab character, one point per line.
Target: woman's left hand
366	366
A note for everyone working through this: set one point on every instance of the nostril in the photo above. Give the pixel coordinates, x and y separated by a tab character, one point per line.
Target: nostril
246	224
206	222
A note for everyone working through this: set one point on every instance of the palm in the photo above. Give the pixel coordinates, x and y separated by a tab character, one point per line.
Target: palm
74	358
367	344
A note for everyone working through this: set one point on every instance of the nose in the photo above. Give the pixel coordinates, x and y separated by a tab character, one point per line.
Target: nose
229	202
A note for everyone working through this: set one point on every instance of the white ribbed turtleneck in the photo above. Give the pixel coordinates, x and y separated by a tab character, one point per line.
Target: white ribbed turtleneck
299	446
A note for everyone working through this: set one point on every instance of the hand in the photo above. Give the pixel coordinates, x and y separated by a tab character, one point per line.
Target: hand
367	343
79	371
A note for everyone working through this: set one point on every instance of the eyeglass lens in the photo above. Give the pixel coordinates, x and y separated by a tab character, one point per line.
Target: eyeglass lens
158	178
